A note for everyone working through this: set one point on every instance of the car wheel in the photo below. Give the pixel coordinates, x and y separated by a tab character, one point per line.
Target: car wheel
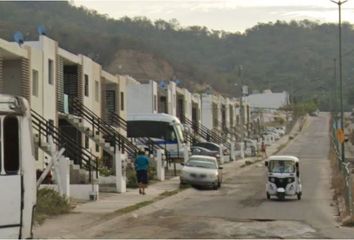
299	196
215	186
219	184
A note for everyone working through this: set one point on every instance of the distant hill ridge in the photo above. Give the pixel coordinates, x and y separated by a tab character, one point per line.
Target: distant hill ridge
294	56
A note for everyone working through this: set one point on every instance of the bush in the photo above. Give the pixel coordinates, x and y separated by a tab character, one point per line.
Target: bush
131	176
50	203
105	171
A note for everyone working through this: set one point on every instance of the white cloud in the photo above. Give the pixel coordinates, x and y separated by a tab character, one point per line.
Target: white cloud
229	15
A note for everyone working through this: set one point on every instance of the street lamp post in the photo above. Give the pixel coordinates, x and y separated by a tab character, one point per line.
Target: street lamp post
340	3
335	110
240	69
348	174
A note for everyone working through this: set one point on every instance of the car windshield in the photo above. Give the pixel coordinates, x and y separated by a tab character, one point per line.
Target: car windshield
201	163
281	166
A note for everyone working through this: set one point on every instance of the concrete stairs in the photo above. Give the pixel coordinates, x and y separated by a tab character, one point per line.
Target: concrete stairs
77	174
94	136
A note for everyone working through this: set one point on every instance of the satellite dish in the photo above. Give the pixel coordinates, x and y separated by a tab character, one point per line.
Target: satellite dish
162	84
41	30
18	37
177	81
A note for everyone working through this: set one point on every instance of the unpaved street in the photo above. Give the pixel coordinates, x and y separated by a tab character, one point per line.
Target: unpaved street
240	209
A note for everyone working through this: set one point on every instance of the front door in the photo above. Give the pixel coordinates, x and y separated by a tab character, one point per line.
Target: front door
10	206
10	179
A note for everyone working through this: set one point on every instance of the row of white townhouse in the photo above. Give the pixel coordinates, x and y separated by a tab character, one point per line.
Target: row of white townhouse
212	111
72	94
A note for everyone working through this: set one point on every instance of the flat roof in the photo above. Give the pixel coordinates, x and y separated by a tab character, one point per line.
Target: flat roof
11	50
159	117
283	157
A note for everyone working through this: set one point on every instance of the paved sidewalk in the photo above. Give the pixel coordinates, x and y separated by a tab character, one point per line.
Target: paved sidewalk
90	212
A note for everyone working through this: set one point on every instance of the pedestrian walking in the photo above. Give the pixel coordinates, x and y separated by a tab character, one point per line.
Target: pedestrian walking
141	164
263	150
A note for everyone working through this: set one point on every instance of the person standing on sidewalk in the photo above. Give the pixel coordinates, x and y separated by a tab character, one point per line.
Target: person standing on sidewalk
141	164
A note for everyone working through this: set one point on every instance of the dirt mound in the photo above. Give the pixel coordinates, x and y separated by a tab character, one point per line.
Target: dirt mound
141	65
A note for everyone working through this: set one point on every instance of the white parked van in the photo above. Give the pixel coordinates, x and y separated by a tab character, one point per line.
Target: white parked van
164	129
17	168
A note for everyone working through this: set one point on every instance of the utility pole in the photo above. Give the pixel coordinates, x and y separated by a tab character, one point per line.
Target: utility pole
335	110
344	161
340	3
240	69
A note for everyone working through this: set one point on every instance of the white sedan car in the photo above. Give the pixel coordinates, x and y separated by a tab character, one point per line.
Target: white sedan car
201	171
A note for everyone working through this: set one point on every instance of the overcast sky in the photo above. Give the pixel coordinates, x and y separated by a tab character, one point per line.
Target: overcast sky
228	15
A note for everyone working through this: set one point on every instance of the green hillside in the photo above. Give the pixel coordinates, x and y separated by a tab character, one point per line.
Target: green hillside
296	56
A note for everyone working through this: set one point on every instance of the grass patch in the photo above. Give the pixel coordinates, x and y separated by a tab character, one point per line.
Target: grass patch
169	193
248	162
133	207
50	203
139	205
338	184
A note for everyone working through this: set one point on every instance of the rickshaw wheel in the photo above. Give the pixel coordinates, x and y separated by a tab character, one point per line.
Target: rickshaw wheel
268	196
299	196
281	197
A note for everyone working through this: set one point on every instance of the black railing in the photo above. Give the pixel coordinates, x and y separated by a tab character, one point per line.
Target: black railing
204	132
73	150
108	132
118	121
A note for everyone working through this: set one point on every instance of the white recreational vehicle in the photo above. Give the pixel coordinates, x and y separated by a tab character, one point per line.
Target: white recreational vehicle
17	168
163	129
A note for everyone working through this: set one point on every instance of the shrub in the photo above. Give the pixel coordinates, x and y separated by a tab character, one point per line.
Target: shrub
50	203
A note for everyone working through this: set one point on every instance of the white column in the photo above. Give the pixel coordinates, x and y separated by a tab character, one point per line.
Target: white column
55	157
64	171
160	166
232	152
242	146
186	152
119	158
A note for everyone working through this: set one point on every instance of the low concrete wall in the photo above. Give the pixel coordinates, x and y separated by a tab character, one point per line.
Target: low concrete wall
78	191
107	180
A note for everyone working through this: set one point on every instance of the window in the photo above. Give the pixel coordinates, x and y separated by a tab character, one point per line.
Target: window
35	83
97	91
86	85
50	72
152	129
155	102
110	101
11	145
87	142
122	101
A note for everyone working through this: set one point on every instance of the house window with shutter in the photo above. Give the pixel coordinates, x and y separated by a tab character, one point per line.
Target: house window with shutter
86	85
35	83
50	72
97	92
122	101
